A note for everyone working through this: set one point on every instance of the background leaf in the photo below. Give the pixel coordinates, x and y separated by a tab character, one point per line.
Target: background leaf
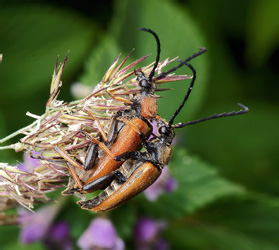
199	184
240	223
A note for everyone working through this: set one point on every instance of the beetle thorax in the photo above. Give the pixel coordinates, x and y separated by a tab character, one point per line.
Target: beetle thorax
164	155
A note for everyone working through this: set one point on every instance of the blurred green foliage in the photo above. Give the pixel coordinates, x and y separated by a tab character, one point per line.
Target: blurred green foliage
227	200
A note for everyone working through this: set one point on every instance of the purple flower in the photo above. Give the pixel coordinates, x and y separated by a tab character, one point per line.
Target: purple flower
154	130
164	183
29	164
34	226
100	234
38	227
58	236
147	234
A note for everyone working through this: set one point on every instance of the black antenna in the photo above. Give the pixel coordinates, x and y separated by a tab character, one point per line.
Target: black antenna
163	74
152	73
187	94
244	110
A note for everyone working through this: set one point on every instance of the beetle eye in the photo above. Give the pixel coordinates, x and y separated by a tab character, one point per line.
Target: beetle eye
144	84
163	130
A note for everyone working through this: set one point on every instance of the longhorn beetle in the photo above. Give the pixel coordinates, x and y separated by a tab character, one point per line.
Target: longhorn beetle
123	137
142	169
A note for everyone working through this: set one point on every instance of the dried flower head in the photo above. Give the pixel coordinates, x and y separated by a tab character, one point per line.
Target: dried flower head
59	127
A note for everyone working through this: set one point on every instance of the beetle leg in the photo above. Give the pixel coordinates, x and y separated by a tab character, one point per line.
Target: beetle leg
117	98
39	157
70	190
74	175
91	156
104	181
100	144
70	163
145	143
92	151
129	123
113	129
98	124
65	155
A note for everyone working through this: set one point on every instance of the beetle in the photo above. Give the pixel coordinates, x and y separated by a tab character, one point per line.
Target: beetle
141	169
123	135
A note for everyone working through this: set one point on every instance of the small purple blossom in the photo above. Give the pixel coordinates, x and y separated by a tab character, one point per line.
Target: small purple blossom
58	236
147	234
34	226
100	234
29	164
165	183
161	244
154	130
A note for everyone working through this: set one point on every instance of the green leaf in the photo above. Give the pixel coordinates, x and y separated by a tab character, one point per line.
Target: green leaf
240	223
124	219
255	216
262	30
99	61
199	184
81	219
31	40
206	237
241	151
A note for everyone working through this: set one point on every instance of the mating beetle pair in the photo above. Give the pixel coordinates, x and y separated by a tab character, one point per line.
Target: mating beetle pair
141	169
123	134
128	131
